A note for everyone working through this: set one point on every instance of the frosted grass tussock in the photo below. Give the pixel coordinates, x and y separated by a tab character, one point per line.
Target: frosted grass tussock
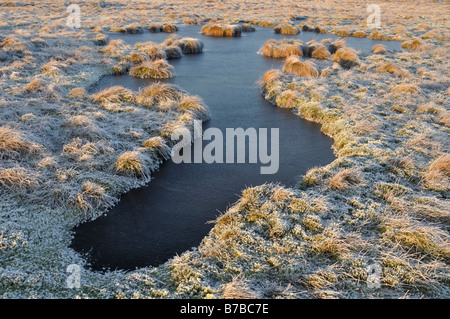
294	64
287	29
221	30
190	45
114	94
281	49
14	144
133	164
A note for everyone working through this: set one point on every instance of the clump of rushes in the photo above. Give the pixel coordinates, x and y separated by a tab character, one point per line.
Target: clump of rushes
320	30
359	34
437	175
137	57
173	52
221	30
153	50
100	39
13	144
155	27
414	44
114	94
287	29
158	69
18	178
379	49
345	178
294	64
130	28
238	289
247	28
115	48
281	49
320	53
156	92
336	45
346	57
169	28
393	69
78	93
190	45
133	164
270	76
157	144
406	88
36	85
194	104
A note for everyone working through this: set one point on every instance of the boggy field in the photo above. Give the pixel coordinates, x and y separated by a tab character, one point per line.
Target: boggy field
376	216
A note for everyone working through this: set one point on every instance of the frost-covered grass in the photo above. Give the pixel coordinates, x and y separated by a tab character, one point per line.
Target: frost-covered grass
67	156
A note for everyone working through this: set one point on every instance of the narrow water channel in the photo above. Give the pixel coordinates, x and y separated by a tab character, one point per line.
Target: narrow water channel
151	224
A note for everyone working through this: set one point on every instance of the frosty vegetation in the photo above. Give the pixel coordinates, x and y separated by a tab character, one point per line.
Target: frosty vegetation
66	154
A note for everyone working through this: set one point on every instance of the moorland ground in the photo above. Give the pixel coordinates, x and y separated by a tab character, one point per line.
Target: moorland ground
66	155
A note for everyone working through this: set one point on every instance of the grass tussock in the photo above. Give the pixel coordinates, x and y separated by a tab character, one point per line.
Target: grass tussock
294	64
393	69
320	52
157	92
437	174
173	52
282	49
133	164
379	49
153	50
114	94
114	48
414	45
221	30
346	57
238	289
346	178
406	89
190	45
270	76
18	177
14	144
286	29
247	28
158	69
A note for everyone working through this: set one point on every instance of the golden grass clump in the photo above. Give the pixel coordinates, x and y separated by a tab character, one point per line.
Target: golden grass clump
190	45
270	76
155	27
238	289
153	50
437	175
158	69
281	49
169	28
320	52
287	99
131	28
346	57
379	49
133	164
286	29
320	30
221	30
18	177
36	85
294	64
78	93
359	34
406	88
345	178
414	44
156	92
336	45
157	144
247	28
173	52
393	69
100	39
137	57
114	48
13	144
91	197
114	94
